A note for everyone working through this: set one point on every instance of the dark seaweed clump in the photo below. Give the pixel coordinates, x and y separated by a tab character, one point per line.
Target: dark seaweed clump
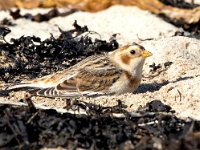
151	127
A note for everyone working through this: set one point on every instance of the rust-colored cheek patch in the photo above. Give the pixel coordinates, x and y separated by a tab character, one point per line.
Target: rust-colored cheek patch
125	59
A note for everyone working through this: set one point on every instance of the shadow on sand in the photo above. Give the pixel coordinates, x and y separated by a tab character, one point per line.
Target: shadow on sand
152	87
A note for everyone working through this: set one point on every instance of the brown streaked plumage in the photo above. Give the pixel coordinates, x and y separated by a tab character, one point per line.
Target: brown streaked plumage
116	72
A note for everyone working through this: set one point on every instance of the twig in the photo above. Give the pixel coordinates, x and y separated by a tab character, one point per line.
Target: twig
32	117
180	95
148	123
148	39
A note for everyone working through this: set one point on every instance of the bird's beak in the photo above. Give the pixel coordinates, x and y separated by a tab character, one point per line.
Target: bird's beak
146	53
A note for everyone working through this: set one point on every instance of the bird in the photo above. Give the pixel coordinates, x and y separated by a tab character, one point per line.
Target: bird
115	72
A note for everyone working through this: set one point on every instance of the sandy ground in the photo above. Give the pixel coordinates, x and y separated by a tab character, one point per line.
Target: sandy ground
176	85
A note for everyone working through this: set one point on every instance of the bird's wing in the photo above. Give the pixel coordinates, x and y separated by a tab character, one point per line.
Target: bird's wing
94	79
48	81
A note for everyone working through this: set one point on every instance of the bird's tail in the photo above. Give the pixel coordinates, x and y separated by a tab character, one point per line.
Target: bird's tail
20	86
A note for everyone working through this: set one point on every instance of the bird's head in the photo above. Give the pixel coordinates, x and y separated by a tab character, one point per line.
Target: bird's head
130	57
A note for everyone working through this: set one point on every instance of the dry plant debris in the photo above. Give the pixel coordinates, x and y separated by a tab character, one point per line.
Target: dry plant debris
40	17
151	127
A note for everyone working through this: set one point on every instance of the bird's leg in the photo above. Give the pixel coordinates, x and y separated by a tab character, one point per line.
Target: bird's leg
70	102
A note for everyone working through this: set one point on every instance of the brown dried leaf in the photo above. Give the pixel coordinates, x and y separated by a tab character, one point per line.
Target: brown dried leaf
188	16
26	4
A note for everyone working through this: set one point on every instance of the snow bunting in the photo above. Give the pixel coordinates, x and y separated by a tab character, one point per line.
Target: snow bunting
115	72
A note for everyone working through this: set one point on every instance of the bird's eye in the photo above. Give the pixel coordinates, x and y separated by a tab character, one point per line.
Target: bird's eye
132	52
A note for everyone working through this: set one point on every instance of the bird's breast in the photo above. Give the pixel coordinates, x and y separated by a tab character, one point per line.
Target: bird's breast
126	83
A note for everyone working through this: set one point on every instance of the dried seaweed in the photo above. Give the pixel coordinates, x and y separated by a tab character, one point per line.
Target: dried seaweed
3	32
154	127
41	17
6	22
